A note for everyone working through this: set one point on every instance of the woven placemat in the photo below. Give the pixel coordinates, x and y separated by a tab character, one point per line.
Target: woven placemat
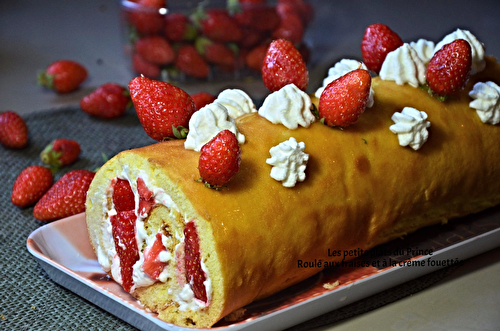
29	299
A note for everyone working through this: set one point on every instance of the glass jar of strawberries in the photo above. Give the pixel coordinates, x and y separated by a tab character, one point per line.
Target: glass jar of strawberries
210	40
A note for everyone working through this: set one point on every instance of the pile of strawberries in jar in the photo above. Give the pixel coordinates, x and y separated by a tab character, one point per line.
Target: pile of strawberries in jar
210	39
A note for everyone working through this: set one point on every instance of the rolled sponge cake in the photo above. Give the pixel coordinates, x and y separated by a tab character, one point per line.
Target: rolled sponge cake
361	189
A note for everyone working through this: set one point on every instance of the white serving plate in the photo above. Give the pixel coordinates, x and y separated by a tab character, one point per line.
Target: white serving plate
63	250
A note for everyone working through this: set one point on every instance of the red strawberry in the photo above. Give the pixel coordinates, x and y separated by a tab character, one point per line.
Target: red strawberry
155	49
191	62
152	265
216	53
123	229
195	276
252	38
66	197
304	9
144	67
123	196
60	152
378	40
31	185
161	107
284	65
109	100
449	69
63	76
344	99
220	159
146	199
258	17
145	17
201	99
219	26
254	59
146	22
291	27
13	130
178	28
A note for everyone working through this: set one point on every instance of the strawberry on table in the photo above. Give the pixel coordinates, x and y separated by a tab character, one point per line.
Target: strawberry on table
195	276
344	99
109	100
220	159
378	41
162	108
60	153
30	185
201	99
13	130
283	65
65	198
63	76
123	230
449	68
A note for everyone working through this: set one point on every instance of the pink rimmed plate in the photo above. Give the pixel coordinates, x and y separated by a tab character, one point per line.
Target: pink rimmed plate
63	250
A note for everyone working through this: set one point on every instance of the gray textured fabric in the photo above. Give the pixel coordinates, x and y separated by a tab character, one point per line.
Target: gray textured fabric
29	300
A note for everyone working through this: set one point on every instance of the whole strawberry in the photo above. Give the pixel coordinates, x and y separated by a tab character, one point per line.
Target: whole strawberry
30	185
155	49
109	100
284	65
65	198
63	76
145	68
218	25
178	28
190	62
195	276
162	108
344	99
13	130
449	68
220	159
378	40
216	53
60	153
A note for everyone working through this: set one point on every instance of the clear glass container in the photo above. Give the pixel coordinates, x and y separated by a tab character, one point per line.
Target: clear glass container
197	41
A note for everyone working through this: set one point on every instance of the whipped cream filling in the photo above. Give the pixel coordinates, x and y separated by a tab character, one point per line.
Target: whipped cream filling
477	48
486	101
404	66
207	122
289	162
288	106
411	127
237	102
340	69
109	259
